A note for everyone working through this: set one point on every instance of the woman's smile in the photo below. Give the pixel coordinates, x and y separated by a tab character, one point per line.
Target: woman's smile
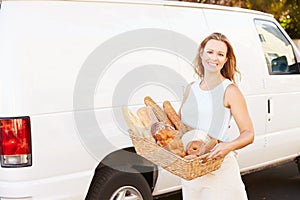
212	64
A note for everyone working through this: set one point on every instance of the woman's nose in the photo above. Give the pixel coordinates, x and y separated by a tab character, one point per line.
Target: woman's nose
213	56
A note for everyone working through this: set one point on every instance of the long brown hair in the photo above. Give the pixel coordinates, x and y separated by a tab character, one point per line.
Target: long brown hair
229	70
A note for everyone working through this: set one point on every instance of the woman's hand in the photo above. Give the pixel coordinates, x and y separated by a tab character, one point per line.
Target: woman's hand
220	150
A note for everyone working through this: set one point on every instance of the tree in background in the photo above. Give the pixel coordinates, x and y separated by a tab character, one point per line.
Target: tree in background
290	20
286	12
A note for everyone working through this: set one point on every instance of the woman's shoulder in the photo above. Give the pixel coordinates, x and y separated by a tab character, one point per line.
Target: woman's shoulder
233	93
230	86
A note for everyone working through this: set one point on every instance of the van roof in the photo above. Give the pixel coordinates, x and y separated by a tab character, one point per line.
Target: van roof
176	3
179	3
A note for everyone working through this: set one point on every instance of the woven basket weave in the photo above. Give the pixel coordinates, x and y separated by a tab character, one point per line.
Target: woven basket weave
186	169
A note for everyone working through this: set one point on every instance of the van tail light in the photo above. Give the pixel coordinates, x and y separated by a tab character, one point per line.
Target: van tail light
15	142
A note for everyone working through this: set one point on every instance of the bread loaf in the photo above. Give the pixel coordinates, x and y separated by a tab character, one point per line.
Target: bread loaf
158	111
176	146
164	136
168	139
174	117
136	125
147	116
195	147
146	133
132	121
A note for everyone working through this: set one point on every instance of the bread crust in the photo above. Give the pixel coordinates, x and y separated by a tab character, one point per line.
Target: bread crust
173	116
147	116
195	147
158	111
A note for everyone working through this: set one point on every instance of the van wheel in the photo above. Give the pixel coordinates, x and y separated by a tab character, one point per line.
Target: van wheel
298	163
110	184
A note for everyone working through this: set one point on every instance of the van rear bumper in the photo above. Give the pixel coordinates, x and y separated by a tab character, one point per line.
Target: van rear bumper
72	186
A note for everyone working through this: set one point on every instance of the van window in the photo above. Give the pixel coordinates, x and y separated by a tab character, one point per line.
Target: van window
278	51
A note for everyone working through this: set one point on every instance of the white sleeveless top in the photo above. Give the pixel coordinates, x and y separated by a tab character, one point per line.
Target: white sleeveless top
205	110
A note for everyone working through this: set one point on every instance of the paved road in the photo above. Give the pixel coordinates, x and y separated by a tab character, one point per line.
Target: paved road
278	183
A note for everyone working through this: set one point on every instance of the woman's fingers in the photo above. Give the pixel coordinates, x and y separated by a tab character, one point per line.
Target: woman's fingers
219	151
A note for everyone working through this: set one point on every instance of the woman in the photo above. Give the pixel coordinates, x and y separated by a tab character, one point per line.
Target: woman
208	105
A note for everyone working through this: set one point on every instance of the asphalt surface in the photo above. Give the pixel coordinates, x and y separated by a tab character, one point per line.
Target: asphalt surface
277	183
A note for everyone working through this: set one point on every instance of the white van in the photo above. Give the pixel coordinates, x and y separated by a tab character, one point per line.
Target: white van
67	67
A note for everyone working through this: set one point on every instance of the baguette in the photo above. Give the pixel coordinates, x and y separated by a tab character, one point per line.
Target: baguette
159	113
147	116
132	121
146	133
136	125
174	117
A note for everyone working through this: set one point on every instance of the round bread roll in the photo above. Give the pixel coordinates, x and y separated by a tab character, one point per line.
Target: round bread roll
195	147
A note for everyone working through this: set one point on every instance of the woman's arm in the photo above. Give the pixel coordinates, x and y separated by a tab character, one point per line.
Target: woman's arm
235	101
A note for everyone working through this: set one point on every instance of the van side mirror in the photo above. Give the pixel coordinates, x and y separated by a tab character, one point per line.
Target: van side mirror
279	64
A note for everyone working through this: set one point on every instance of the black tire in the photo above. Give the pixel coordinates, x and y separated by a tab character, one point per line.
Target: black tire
298	163
108	184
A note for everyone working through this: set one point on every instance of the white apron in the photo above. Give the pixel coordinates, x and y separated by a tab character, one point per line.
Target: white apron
223	184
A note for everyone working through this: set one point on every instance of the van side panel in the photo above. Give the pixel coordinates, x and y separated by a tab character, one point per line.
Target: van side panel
44	45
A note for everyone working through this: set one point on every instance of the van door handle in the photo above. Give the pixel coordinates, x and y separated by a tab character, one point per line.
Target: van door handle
269	106
269	109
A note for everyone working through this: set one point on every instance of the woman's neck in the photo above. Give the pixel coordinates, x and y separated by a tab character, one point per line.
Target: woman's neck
210	81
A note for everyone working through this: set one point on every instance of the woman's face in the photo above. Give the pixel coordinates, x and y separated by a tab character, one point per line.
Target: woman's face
214	55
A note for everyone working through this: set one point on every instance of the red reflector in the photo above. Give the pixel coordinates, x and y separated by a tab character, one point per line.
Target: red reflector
15	139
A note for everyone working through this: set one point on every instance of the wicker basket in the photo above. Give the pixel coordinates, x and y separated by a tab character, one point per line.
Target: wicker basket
186	169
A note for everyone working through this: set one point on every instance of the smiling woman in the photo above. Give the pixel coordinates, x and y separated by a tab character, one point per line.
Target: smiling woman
208	105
